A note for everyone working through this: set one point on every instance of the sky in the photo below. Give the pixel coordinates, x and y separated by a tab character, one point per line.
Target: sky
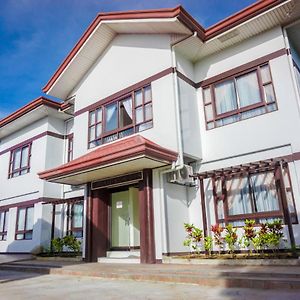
36	35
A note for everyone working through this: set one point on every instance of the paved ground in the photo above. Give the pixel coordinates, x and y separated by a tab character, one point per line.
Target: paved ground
18	286
7	258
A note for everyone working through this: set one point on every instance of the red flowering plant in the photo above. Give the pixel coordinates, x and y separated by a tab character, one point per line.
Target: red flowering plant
218	239
249	234
193	238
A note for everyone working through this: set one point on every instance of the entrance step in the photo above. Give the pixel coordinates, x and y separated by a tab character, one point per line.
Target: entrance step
126	260
123	254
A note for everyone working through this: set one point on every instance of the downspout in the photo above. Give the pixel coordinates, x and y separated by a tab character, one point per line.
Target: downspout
179	164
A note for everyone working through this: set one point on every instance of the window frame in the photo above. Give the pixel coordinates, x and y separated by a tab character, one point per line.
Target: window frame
12	173
70	215
238	112
25	231
3	232
254	215
134	126
70	147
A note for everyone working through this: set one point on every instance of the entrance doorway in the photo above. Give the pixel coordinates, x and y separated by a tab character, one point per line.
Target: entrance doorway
125	223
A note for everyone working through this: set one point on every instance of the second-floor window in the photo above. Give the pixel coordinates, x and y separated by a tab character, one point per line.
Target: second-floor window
70	148
240	97
3	225
25	222
128	115
19	161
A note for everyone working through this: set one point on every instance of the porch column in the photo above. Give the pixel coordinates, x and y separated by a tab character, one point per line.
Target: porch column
97	236
146	219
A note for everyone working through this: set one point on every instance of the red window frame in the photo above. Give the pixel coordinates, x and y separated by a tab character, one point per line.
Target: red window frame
70	147
3	232
20	170
120	131
254	215
238	113
25	231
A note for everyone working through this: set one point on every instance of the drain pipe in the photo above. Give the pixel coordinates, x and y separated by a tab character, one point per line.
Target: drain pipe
179	164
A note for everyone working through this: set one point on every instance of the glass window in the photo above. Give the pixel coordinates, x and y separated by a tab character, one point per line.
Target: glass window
25	223
240	97
3	225
75	221
19	163
126	112
111	117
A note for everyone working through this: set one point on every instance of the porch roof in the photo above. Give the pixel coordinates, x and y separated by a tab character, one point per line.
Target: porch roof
121	157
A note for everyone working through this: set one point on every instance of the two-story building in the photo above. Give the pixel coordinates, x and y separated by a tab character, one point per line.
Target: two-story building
149	99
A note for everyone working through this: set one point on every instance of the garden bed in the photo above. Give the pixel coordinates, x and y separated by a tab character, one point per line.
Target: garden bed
60	256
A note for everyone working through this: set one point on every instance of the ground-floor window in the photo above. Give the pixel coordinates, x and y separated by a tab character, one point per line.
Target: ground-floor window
3	225
25	221
75	219
252	196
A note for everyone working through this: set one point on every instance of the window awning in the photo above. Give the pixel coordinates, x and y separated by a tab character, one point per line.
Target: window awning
121	157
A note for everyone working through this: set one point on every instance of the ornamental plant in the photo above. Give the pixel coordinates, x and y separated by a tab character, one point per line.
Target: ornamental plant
249	234
230	237
260	241
57	244
275	234
208	244
218	239
72	243
193	237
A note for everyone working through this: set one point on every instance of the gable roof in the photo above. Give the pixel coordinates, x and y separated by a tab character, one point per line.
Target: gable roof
177	14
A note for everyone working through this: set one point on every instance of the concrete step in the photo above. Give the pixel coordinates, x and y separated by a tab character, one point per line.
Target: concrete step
205	277
119	260
123	254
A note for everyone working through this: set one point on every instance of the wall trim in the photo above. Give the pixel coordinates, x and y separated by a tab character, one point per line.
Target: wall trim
28	141
122	93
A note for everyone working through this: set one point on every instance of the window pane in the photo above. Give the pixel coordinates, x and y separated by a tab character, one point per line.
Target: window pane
265	73
111	117
207	95
99	115
148	111
126	132
253	112
220	209
269	93
25	154
238	196
264	190
2	221
21	219
218	187
110	138
209	112
138	95
77	215
225	97
92	117
6	221
29	218
20	236
210	125
126	112
92	133
144	126
98	130
28	235
139	118
272	107
17	159
147	93
228	120
248	89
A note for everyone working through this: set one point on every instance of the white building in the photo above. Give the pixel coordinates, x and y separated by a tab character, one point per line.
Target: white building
149	97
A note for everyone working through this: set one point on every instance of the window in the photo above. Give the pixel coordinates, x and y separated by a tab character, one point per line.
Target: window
130	114
3	225
253	196
297	73
70	148
243	96
25	223
75	219
19	161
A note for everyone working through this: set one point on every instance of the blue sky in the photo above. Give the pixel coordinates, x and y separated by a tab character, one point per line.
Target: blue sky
36	35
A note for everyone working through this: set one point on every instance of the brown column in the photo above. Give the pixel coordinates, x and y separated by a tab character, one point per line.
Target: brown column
97	233
146	219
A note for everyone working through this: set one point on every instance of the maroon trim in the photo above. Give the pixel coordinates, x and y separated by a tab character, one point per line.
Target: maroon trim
238	70
186	79
125	92
29	107
28	141
203	207
22	204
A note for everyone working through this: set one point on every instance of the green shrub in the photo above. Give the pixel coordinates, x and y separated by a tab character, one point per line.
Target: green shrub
57	244
230	237
208	244
193	237
72	243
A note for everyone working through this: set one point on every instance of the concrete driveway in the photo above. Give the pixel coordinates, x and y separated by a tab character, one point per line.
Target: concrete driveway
19	286
8	258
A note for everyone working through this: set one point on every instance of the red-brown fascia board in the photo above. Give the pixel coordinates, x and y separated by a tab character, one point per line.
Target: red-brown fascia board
29	107
242	16
183	16
111	153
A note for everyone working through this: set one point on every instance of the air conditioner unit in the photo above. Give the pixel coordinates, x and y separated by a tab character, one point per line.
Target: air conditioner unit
182	176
